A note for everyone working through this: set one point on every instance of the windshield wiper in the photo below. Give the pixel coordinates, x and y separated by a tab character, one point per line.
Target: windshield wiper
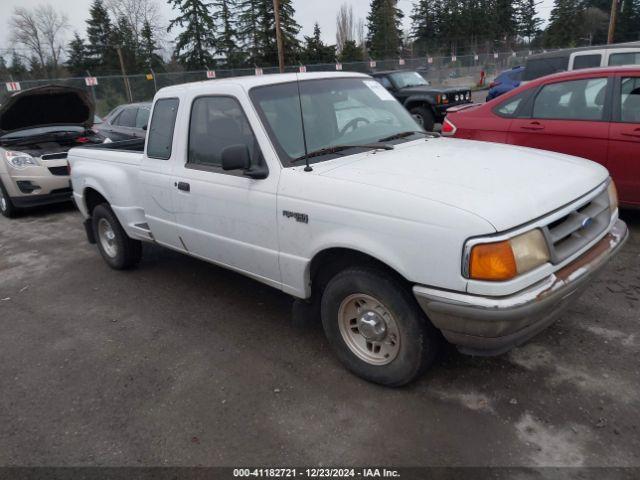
397	136
339	148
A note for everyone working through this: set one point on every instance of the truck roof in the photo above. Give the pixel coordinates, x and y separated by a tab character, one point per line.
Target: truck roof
250	81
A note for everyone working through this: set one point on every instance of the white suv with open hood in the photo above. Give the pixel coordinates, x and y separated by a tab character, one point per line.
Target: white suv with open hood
37	128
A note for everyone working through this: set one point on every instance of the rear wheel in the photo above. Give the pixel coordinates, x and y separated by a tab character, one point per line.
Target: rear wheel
118	250
424	116
376	328
6	205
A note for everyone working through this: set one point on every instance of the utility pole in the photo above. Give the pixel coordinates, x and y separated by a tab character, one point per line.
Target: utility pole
276	10
612	21
124	74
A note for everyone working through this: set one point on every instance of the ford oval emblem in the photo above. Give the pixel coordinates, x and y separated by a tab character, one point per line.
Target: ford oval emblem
586	222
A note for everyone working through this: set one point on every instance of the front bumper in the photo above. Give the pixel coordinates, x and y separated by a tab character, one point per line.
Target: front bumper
493	325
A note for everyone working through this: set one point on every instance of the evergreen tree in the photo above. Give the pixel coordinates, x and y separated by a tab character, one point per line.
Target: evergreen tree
505	26
424	27
148	55
228	38
17	68
100	53
351	52
564	25
123	36
248	29
628	24
77	60
383	23
196	44
315	51
528	24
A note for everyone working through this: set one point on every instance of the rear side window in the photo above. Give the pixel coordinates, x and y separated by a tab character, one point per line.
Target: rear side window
586	61
573	100
127	118
510	108
629	58
142	118
160	135
539	67
217	123
630	100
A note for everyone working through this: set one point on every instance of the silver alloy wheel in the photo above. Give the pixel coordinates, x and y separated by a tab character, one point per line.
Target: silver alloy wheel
107	238
3	201
369	329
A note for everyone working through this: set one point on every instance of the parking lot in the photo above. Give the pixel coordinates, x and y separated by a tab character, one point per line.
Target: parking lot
182	363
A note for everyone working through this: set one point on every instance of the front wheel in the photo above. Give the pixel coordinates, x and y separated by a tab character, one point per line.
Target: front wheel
376	328
423	117
6	205
118	250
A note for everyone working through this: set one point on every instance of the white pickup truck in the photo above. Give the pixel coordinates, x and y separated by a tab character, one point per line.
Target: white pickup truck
323	186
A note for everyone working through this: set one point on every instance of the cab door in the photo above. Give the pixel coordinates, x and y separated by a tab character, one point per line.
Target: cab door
156	174
226	217
624	138
568	117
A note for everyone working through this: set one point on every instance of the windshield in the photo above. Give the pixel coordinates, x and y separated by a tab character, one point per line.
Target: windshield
31	132
408	79
337	111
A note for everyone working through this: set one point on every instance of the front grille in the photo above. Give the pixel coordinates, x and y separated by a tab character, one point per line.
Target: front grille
569	234
54	156
63	170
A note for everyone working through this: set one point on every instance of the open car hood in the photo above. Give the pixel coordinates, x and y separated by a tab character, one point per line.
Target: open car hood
48	105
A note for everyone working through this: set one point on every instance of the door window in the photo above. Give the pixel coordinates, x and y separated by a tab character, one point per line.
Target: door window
627	58
573	100
510	107
630	100
127	118
160	137
586	61
142	118
218	123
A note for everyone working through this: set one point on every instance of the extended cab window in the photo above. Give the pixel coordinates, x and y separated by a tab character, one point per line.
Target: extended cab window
573	100
160	135
586	61
539	67
217	123
630	100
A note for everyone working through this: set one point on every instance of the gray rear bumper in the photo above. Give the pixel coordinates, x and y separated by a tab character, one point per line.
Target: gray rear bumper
493	325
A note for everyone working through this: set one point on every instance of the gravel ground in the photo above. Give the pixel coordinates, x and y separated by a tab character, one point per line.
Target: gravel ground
182	363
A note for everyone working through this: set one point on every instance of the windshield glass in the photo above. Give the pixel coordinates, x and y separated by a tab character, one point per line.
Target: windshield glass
408	79
337	111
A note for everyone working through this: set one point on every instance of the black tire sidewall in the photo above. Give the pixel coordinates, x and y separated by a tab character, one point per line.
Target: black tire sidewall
428	119
123	258
11	210
418	338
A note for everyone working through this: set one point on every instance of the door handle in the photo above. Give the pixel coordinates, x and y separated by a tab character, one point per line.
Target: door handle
533	126
184	186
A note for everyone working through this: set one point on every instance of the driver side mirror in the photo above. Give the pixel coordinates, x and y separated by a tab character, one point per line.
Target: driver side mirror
237	157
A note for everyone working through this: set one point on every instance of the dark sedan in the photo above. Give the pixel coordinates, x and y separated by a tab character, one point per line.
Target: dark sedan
125	122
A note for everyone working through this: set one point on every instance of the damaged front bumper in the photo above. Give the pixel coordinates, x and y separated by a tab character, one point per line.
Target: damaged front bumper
481	325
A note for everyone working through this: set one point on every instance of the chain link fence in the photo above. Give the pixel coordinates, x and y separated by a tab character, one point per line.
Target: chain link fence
112	90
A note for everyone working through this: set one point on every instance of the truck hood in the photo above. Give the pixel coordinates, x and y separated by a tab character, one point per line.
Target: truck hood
506	185
48	105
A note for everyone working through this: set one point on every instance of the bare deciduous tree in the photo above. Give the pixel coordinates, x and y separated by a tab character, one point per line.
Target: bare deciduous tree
41	32
345	28
137	12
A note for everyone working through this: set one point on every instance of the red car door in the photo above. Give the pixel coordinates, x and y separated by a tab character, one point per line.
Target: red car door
624	138
568	117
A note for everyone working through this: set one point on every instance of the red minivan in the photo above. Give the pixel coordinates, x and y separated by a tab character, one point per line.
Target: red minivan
592	113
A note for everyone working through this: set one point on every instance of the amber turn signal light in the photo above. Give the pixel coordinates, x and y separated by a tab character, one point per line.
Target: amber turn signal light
492	261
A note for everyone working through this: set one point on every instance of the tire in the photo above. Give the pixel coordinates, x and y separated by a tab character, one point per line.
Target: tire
389	320
424	116
7	208
118	250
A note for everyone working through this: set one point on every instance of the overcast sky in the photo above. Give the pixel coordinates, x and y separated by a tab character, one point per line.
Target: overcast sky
307	12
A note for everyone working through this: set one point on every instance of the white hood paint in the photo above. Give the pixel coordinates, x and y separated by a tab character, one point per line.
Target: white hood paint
505	185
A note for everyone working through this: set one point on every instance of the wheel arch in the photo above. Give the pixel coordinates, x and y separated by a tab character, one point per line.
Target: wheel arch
92	198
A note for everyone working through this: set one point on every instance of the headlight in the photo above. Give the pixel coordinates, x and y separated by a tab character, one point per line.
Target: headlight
457	97
504	260
20	160
468	95
444	97
613	196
